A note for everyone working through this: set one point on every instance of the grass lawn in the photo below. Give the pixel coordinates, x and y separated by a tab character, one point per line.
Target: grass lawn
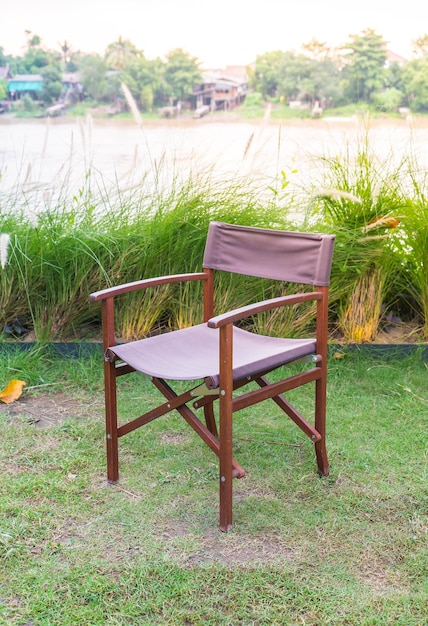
348	549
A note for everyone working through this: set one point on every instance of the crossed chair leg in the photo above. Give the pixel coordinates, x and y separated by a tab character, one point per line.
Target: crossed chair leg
220	444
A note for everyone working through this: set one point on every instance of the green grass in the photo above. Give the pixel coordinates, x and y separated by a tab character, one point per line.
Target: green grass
348	549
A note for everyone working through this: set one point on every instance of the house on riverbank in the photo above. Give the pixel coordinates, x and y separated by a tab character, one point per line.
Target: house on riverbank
221	89
32	84
22	84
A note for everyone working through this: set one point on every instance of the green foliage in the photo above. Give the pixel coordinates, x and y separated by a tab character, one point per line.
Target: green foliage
120	54
93	76
264	77
292	76
145	79
253	106
36	57
147	98
365	66
295	81
67	56
3	89
52	84
410	243
415	80
366	204
254	99
28	103
388	99
182	73
82	246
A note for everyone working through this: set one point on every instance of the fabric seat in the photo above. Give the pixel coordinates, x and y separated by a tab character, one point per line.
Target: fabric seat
221	357
193	353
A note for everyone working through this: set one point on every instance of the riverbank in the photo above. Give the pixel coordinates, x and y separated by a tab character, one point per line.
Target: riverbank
275	116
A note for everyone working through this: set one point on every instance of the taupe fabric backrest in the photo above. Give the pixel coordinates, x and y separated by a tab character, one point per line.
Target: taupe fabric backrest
282	255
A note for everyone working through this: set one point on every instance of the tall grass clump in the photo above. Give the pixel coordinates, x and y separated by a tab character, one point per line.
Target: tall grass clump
90	241
17	274
410	244
360	320
171	239
363	202
54	258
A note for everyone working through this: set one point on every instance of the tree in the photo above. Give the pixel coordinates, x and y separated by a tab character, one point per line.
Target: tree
145	80
364	69
311	76
316	50
4	58
415	81
93	76
52	84
3	89
327	82
65	48
265	76
147	98
181	74
69	58
420	46
295	77
35	57
120	54
33	41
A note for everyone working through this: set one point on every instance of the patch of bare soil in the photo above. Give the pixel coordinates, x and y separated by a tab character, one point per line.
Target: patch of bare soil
390	334
47	410
239	550
226	549
399	333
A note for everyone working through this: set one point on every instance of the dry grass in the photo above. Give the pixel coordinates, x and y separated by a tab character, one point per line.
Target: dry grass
359	322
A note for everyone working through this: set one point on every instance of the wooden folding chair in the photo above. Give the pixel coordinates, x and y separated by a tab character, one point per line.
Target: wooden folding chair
221	357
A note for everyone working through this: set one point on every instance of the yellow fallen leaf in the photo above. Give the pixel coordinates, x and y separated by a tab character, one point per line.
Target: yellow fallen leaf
12	391
339	355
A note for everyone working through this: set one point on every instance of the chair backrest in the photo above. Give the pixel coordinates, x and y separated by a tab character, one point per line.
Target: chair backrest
277	254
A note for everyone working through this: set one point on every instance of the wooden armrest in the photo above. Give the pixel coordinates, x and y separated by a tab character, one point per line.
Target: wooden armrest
260	307
111	292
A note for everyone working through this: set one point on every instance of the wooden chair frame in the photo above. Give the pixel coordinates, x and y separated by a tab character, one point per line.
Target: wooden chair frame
203	396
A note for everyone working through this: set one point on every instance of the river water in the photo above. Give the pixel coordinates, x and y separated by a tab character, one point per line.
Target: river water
43	159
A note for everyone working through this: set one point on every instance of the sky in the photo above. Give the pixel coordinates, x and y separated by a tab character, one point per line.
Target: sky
218	33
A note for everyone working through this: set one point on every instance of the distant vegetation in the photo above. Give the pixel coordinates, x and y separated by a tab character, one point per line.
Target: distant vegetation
361	74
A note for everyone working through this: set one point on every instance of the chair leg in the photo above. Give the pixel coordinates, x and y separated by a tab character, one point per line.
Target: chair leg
320	425
226	413
226	475
111	422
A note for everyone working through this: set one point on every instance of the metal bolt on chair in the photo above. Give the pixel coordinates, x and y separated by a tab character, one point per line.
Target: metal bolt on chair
219	356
